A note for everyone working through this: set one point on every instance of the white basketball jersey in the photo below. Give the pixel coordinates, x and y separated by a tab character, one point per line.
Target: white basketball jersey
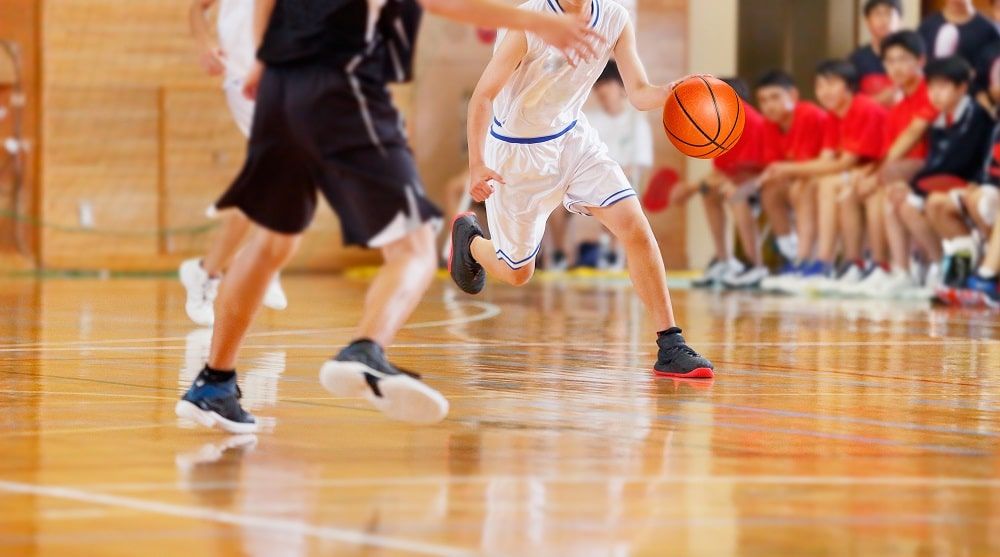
545	94
235	28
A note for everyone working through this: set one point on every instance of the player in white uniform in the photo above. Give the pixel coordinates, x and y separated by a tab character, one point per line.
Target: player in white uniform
231	57
531	149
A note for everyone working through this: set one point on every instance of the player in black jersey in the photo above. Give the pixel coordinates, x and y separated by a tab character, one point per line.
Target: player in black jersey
325	123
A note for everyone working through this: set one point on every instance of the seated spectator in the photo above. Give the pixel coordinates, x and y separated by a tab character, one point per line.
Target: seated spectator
959	29
906	137
960	140
882	17
733	183
794	134
853	141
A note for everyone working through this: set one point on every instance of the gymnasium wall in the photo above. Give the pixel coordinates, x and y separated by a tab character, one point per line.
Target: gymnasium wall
19	25
139	141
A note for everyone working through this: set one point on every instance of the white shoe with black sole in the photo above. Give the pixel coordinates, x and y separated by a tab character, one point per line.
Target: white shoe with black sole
362	371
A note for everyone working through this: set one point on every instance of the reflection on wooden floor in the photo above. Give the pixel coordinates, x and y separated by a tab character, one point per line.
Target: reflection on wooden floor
833	428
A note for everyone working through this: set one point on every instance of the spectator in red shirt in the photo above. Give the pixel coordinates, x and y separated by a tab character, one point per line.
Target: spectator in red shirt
734	182
905	55
794	133
882	17
853	141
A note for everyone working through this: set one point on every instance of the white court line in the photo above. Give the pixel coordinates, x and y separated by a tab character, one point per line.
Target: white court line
281	525
746	479
489	311
107	347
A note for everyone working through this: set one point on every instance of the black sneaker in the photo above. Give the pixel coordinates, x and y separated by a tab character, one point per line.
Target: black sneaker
677	359
957	270
468	274
362	371
214	403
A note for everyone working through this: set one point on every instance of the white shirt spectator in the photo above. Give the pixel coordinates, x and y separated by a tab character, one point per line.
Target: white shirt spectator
628	136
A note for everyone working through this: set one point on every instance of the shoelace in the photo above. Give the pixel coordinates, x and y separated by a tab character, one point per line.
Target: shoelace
686	350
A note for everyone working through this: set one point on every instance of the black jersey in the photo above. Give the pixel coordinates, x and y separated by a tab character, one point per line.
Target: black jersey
375	38
973	36
871	71
959	143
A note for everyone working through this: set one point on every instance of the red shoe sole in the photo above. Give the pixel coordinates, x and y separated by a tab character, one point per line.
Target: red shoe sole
700	373
451	252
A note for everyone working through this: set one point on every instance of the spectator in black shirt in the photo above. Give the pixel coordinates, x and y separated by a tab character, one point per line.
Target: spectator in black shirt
883	18
960	30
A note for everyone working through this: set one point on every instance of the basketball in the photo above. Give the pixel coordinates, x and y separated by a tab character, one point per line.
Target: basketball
703	117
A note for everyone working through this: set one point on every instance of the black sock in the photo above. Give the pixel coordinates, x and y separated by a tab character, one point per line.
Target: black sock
670	331
217	375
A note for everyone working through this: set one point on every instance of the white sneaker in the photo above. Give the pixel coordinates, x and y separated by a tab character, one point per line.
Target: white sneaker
896	285
933	278
275	297
842	285
716	271
201	292
749	278
871	286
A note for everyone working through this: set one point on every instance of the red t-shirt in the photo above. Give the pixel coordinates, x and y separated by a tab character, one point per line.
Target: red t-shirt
917	105
804	139
860	132
749	155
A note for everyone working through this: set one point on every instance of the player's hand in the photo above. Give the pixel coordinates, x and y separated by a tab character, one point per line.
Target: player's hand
673	84
213	60
252	81
775	171
571	35
480	177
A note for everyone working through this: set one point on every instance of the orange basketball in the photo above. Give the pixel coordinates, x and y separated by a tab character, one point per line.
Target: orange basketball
704	117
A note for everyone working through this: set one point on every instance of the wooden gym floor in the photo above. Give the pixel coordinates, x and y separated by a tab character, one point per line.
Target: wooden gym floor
833	428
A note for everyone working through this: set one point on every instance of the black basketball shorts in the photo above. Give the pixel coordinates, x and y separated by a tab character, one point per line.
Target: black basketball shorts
317	128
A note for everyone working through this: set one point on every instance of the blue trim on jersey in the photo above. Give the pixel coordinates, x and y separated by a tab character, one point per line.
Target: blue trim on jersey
531	140
622	198
604	203
595	8
510	261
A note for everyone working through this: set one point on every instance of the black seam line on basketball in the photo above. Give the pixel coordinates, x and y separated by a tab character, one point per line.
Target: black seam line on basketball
695	124
739	111
680	140
715	102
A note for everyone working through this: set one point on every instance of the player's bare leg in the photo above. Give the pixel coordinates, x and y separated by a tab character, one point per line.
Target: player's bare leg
486	255
407	271
827	191
715	213
213	399
627	222
221	252
804	199
242	292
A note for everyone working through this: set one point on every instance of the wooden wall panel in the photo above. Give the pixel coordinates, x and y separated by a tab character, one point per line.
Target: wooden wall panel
19	24
142	137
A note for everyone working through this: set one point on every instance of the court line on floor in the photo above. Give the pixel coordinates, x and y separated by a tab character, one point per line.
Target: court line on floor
488	311
108	346
282	525
745	479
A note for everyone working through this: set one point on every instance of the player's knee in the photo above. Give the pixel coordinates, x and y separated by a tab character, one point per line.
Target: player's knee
520	277
988	205
273	250
417	247
938	204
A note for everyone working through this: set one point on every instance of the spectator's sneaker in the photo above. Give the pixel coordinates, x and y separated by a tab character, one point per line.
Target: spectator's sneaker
201	292
275	297
774	283
216	403
810	277
849	278
467	273
715	272
748	278
362	371
978	292
677	359
872	285
957	270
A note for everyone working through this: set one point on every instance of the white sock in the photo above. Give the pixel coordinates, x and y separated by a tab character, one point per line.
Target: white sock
788	246
986	272
963	245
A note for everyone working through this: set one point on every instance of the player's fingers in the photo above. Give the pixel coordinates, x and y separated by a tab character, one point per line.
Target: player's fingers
496	177
568	55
